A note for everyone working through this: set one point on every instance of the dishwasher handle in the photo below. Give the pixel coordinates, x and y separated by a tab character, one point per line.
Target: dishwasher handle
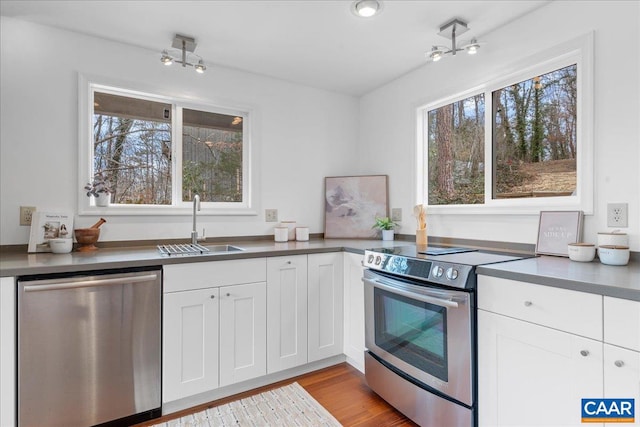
90	283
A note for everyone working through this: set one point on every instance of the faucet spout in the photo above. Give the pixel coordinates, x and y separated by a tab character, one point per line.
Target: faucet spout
194	231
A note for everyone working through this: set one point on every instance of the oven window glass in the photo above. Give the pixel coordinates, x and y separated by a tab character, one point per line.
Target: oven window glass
413	331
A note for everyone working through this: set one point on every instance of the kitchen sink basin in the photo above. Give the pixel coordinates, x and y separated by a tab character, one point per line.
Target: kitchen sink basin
195	249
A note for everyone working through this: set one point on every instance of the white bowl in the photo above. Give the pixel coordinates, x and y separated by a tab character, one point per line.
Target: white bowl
612	239
613	255
61	246
582	252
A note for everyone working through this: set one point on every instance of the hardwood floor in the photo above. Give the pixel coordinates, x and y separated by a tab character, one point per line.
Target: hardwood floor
341	389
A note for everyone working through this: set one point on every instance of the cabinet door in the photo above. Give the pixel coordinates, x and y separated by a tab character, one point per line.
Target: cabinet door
7	351
531	375
243	332
325	305
354	310
190	343
286	312
622	376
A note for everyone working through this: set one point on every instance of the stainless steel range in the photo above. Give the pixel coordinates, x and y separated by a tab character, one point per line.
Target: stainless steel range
420	330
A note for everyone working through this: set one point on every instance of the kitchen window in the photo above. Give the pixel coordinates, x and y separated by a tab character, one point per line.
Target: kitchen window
516	144
158	152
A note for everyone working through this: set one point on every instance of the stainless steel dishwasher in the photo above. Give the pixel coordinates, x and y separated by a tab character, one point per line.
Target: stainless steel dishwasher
89	348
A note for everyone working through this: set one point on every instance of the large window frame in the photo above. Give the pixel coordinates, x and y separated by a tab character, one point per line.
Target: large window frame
86	206
578	51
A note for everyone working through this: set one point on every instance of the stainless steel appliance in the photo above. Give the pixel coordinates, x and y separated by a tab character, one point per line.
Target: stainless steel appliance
420	330
89	348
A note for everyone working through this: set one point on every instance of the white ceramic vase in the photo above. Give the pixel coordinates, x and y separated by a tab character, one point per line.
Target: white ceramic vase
103	199
387	234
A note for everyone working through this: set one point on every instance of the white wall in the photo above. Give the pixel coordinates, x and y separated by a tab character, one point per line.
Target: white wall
301	134
387	115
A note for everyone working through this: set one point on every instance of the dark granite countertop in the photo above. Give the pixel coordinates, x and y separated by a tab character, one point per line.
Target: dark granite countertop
593	277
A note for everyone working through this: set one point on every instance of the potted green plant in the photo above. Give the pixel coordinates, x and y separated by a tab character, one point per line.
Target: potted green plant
386	226
100	189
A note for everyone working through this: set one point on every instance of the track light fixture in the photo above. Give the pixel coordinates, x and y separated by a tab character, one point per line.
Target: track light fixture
452	30
184	47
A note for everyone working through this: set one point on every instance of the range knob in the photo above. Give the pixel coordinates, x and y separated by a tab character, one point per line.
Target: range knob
437	271
370	259
452	273
378	260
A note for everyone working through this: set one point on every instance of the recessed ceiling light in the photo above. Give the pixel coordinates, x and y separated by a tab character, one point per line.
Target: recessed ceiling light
366	8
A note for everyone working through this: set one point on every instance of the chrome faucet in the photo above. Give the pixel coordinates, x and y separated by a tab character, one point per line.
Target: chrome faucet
196	207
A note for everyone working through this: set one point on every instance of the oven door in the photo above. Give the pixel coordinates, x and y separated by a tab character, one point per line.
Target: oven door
425	332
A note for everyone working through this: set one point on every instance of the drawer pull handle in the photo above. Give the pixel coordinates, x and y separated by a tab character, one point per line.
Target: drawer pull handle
585	353
528	303
619	363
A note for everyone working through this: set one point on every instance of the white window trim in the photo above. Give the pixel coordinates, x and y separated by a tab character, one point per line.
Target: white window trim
578	51
86	204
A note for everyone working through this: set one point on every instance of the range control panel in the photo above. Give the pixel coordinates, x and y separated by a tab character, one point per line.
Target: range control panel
444	273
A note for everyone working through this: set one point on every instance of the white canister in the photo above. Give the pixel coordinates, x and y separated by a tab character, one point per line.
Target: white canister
613	239
291	227
281	234
302	234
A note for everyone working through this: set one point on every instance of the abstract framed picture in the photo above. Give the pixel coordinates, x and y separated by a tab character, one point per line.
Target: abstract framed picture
556	230
352	203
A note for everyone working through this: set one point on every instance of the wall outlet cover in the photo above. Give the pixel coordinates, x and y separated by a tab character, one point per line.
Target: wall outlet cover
271	215
26	214
396	214
617	215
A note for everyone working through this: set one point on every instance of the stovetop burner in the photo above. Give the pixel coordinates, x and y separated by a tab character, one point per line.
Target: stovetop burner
447	266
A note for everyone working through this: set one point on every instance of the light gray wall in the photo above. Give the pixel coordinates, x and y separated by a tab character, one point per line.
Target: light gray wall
301	134
388	125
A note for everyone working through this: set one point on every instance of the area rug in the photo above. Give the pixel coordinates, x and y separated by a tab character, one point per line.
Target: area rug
290	405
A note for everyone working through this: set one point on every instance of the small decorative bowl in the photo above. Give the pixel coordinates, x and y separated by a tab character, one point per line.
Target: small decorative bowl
87	237
613	255
61	246
582	252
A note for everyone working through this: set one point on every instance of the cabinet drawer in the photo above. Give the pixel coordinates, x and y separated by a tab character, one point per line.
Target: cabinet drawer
622	322
200	275
571	311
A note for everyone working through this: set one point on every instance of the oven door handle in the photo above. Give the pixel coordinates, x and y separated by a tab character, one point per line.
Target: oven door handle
420	297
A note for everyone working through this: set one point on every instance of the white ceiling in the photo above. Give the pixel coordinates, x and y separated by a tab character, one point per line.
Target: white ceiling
319	43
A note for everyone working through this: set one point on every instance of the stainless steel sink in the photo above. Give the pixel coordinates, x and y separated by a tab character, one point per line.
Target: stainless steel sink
196	249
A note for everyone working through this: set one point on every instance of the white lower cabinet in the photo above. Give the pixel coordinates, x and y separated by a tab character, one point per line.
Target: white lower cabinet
214	331
243	333
190	343
7	351
531	375
540	352
325	305
354	310
286	312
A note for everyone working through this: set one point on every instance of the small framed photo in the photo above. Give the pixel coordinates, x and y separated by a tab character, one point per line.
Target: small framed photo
556	230
49	225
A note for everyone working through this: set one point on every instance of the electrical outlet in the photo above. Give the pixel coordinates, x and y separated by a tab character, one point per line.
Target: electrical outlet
396	214
617	215
26	213
271	215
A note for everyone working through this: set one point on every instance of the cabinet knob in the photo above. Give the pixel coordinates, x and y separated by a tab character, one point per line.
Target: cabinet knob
585	353
619	363
528	303
288	262
213	296
228	294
